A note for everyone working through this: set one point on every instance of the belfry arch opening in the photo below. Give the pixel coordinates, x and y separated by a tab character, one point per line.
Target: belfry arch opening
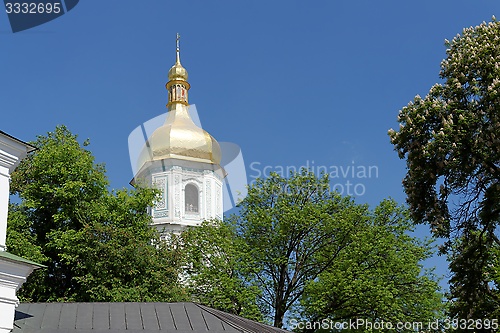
191	199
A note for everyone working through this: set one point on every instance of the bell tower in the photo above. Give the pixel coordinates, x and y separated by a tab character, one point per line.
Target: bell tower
183	161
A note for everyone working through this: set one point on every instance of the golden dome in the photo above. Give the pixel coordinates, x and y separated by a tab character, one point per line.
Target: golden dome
179	137
177	72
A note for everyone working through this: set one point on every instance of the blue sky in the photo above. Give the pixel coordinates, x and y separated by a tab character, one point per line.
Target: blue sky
291	82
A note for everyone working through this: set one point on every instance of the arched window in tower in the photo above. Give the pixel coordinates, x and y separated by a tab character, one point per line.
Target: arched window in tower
191	198
178	92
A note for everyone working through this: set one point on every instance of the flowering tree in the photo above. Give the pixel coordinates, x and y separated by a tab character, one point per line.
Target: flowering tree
451	142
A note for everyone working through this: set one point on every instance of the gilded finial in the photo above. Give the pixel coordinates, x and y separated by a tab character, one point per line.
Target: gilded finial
177	72
177	85
178	60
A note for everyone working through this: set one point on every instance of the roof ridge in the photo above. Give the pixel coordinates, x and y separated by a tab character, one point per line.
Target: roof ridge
255	325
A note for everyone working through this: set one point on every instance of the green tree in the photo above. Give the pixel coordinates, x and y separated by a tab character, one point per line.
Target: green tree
214	267
97	245
378	278
473	264
314	252
116	256
451	142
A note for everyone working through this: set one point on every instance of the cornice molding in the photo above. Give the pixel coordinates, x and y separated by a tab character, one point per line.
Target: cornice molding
7	160
12	151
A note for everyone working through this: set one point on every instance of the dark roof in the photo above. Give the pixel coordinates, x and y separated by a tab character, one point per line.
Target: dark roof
130	317
29	146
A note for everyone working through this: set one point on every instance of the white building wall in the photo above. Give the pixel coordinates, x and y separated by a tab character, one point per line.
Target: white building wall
170	213
12	151
13	270
12	275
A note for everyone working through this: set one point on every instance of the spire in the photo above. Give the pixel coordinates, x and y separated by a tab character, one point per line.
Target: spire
178	59
177	85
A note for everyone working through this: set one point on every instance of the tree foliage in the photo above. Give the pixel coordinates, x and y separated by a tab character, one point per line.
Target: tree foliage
286	223
473	263
97	245
451	142
450	138
379	277
214	268
317	255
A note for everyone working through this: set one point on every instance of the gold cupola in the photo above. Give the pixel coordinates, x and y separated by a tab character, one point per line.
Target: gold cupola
177	72
179	137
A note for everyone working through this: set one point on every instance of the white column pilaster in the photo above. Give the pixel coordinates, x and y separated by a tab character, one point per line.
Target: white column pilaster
4	204
13	269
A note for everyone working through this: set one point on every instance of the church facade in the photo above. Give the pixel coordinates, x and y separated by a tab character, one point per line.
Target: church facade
182	161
